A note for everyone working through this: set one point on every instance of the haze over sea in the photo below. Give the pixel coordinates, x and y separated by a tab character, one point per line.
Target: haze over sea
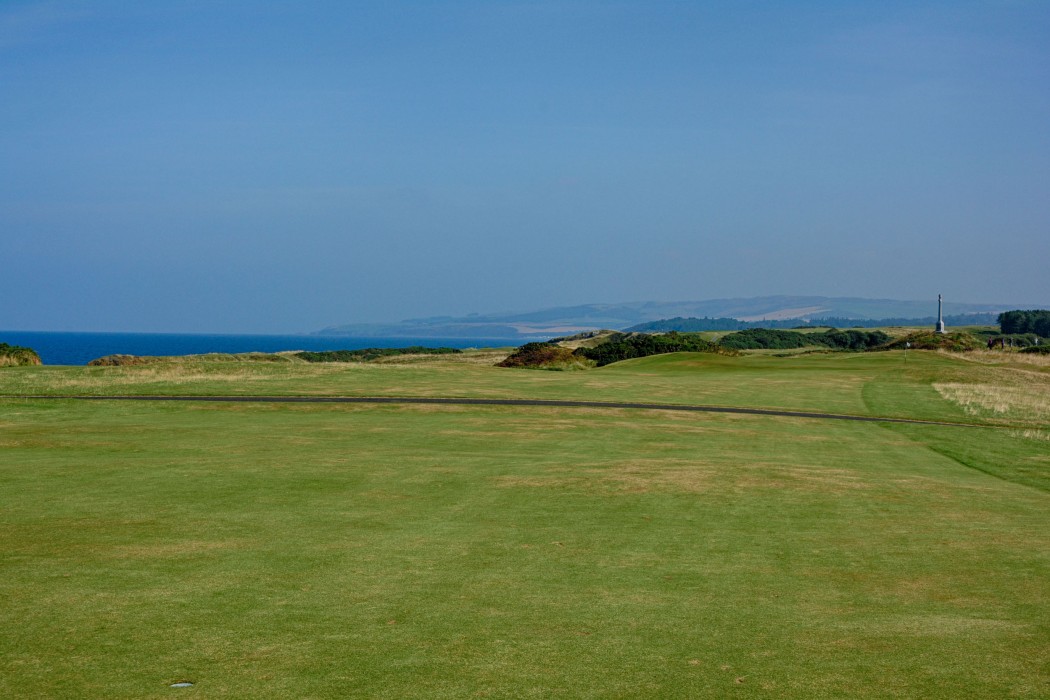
81	348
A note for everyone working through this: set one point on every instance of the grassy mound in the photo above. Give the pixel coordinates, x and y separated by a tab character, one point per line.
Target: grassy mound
630	346
928	340
606	347
131	360
544	356
587	339
15	355
124	360
363	355
367	354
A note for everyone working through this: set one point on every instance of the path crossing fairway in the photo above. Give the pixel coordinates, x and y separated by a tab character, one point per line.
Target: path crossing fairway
302	550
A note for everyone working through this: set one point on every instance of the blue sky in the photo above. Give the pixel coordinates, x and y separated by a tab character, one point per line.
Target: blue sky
285	166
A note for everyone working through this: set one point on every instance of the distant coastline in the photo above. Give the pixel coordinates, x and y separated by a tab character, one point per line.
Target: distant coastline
779	311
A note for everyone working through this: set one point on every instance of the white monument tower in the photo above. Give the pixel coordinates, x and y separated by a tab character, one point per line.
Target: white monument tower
940	317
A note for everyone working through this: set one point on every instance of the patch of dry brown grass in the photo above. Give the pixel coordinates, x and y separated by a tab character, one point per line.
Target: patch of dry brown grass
645	475
1027	401
482	357
151	374
633	477
690	476
999	357
798	479
99	379
1032	434
940	625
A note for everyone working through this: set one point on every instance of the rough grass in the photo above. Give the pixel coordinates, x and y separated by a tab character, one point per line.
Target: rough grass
481	357
1029	402
1008	358
215	357
954	341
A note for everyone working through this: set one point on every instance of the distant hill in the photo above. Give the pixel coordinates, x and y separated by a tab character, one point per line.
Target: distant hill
545	323
694	325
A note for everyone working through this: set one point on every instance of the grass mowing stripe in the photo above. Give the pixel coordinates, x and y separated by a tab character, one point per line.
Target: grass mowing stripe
553	403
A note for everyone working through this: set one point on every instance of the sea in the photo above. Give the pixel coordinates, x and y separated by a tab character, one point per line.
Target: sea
80	348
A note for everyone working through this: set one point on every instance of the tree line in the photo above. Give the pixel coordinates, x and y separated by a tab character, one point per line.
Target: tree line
772	339
1031	321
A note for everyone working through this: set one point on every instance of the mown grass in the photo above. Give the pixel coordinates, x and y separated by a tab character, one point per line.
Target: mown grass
382	551
830	382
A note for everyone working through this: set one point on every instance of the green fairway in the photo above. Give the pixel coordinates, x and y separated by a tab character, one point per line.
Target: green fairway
819	382
324	551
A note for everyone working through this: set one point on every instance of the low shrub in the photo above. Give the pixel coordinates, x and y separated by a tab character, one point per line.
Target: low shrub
16	355
542	356
619	346
956	341
771	339
852	339
626	347
765	339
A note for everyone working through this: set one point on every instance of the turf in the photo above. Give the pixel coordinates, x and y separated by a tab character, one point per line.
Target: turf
830	382
410	551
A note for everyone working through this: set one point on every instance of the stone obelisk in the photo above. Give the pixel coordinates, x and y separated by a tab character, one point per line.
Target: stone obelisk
940	316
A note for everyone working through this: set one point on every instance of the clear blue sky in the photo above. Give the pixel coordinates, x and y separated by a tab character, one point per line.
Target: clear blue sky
283	166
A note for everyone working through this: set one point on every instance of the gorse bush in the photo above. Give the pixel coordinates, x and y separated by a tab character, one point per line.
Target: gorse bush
928	340
627	347
765	338
620	346
769	339
855	339
14	355
542	355
852	339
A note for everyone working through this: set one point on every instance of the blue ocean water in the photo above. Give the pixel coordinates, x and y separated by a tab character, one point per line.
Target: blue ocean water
81	348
